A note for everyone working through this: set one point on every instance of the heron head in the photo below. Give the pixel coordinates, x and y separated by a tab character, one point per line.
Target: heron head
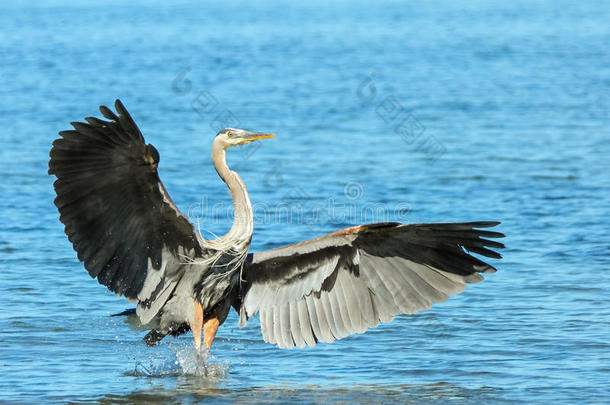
235	136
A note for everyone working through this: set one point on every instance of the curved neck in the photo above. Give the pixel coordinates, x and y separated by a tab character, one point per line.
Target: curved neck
243	220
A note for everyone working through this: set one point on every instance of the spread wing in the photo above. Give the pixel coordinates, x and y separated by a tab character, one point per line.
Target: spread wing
117	213
346	282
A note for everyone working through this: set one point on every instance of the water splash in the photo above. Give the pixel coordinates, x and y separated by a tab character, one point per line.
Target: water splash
187	362
199	364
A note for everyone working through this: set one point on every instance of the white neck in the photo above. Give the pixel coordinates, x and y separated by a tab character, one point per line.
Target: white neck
242	228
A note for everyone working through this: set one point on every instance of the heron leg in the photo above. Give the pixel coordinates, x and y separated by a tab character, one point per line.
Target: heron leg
210	326
197	324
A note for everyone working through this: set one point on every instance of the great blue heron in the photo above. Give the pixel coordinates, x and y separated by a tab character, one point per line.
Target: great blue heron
132	237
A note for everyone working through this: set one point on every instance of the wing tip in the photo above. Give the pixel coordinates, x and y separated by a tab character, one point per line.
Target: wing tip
107	113
484	224
120	108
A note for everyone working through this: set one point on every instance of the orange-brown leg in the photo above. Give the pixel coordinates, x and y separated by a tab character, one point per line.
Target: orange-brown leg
210	326
197	324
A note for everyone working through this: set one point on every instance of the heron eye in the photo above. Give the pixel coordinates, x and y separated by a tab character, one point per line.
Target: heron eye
229	134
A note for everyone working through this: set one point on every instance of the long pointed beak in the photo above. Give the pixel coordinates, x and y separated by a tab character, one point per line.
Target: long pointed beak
253	136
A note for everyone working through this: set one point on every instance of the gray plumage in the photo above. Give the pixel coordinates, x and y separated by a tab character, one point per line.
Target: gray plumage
131	237
354	279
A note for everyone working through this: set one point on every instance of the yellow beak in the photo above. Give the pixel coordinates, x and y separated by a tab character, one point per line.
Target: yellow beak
257	136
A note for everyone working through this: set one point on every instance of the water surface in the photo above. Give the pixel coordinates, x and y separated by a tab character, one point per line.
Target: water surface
412	112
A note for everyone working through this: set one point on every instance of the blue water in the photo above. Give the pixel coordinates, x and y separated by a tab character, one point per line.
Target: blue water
405	111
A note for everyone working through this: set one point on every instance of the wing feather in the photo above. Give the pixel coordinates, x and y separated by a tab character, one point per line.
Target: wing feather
305	323
116	211
277	333
324	308
285	331
352	299
339	311
267	325
319	323
379	288
295	325
346	282
326	323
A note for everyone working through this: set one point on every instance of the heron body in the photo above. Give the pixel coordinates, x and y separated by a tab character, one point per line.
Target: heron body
131	236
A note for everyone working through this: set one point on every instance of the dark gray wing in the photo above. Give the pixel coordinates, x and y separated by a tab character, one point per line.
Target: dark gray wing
117	213
346	282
